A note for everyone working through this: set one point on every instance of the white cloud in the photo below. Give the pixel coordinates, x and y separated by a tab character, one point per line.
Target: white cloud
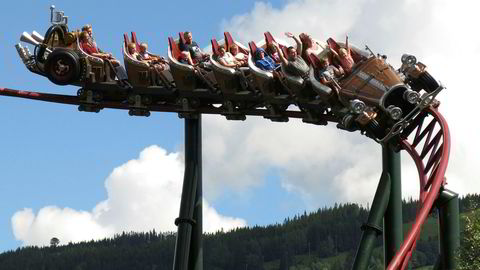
143	194
323	163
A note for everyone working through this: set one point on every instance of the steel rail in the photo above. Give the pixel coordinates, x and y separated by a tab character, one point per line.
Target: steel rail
75	100
431	175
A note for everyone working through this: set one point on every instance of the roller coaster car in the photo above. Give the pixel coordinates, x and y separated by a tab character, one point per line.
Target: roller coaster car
187	77
276	96
301	90
230	81
59	56
378	98
236	85
268	85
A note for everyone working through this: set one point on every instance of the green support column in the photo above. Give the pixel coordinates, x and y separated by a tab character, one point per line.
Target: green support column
373	227
196	248
393	219
449	228
188	247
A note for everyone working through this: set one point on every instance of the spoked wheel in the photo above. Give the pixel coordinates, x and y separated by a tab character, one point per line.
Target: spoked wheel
63	67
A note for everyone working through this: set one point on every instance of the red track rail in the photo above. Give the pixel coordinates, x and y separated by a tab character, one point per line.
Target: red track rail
74	100
430	150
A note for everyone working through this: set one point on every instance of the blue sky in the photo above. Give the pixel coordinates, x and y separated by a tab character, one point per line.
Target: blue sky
70	167
54	155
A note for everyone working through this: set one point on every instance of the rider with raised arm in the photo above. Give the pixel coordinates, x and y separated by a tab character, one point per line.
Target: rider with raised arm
344	55
293	63
310	46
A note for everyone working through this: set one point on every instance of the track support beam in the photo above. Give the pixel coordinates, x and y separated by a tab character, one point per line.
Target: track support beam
373	227
393	219
188	247
449	229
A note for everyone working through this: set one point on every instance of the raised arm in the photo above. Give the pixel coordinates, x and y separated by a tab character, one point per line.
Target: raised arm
346	45
280	53
333	51
299	44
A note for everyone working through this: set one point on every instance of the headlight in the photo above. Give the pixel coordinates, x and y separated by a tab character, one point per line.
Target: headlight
411	96
357	106
395	112
409	59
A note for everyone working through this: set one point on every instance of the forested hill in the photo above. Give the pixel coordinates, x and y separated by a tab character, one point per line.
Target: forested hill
325	239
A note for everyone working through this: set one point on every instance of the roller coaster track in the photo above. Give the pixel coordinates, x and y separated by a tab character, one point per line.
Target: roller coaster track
178	108
429	148
427	143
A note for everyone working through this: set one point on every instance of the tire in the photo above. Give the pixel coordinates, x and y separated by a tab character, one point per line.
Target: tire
63	67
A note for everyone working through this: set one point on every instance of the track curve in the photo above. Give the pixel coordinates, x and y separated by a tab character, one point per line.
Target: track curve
429	148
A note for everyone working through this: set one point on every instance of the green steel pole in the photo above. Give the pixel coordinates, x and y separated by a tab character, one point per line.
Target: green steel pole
373	227
393	219
449	228
196	248
186	248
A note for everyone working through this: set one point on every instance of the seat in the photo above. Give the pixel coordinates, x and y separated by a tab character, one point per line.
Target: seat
183	74
96	71
324	92
357	56
215	46
228	79
229	41
139	73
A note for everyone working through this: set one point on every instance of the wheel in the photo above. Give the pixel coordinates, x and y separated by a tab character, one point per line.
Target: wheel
80	92
146	100
63	67
97	96
376	130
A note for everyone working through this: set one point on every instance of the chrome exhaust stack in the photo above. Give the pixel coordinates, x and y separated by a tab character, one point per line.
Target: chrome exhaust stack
26	37
35	35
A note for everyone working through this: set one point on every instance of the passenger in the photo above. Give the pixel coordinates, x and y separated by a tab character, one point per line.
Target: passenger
92	50
272	51
328	73
241	57
191	51
114	64
263	61
132	49
158	62
344	56
310	46
294	63
145	57
91	40
227	59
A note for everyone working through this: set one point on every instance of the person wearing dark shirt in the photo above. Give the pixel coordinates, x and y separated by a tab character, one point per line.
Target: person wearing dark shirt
191	50
293	63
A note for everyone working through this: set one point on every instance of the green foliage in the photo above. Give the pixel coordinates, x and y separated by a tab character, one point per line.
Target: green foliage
469	255
323	240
